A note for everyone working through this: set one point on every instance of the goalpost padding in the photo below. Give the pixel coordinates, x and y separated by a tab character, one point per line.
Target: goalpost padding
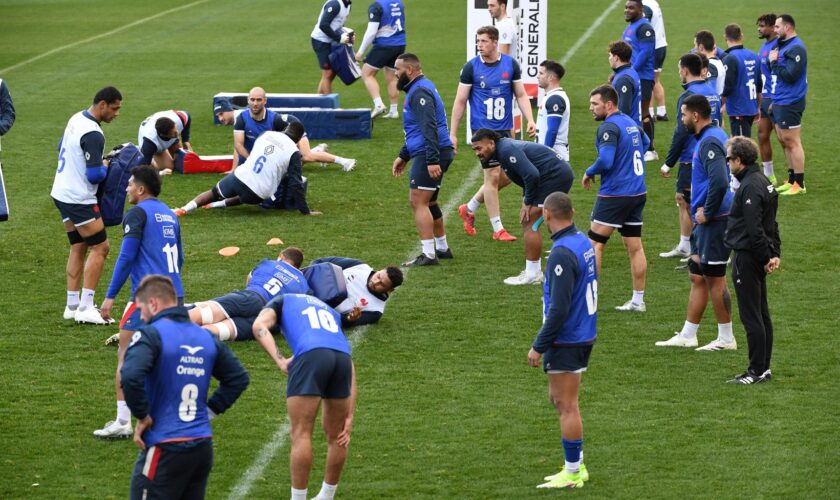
332	123
240	100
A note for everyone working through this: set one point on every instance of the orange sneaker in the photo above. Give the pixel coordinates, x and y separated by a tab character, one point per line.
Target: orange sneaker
794	190
180	212
503	235
468	218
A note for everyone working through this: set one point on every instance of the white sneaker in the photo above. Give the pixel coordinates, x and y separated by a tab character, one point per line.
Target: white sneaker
321	148
379	110
524	279
684	259
675	252
632	306
69	313
651	156
91	316
393	115
114	430
678	341
349	165
718	345
113	340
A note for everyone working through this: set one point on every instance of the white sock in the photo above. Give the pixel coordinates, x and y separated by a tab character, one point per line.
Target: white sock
340	160
393	111
685	243
123	413
327	491
378	103
768	168
573	467
299	494
219	204
428	247
496	222
532	267
189	207
440	243
650	111
689	330
661	111
87	298
725	332
581	456
638	297
473	205
73	299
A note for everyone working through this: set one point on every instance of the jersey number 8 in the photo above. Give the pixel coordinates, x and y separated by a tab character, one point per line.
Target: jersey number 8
188	407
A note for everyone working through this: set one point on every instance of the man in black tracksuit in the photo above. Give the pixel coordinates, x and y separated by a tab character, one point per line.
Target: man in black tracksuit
753	234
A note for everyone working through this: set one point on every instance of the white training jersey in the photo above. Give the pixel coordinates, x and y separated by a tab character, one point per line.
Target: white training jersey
658	23
71	184
148	131
561	141
358	295
337	22
509	34
268	163
721	72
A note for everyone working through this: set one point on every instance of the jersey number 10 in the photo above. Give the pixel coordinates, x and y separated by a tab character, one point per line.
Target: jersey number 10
320	319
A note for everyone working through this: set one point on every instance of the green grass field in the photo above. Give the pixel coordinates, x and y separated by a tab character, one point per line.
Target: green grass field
448	407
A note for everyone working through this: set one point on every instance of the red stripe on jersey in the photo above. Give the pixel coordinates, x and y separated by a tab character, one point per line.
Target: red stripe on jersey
182	116
129	310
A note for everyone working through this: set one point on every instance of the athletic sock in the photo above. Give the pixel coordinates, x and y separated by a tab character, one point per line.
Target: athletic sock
428	247
532	267
689	330
768	168
648	128
571	450
473	205
685	243
87	298
189	207
799	179
340	160
496	222
377	102
638	297
218	204
327	491
73	300
440	243
791	179
661	111
123	413
393	110
651	111
725	332
299	494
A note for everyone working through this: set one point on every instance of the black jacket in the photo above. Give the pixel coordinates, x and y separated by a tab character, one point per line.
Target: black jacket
752	220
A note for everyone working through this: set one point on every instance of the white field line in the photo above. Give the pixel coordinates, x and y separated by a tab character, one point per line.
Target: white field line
97	37
266	455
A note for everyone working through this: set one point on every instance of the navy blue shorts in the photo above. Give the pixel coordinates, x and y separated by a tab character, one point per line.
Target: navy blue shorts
172	470
231	186
382	56
684	180
659	58
240	303
547	187
788	115
740	125
567	359
418	176
322	52
707	242
79	215
321	372
647	90
764	108
619	211
492	162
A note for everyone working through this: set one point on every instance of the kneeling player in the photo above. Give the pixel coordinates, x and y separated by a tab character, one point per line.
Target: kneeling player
231	316
275	158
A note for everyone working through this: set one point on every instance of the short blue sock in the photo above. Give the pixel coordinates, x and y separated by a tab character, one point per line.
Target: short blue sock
572	449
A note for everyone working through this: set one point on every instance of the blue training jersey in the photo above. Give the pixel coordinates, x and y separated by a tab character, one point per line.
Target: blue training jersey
789	79
254	128
530	164
308	323
570	292
415	141
628	85
390	14
766	76
710	174
491	95
272	277
626	175
179	383
741	87
642	39
157	228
